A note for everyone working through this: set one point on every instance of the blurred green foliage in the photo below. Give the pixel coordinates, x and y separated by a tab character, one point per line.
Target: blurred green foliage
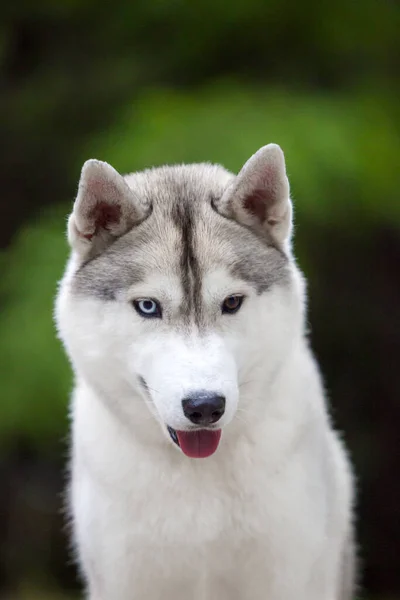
33	371
70	68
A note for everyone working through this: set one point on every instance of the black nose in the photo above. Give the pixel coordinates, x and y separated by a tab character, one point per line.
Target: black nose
203	408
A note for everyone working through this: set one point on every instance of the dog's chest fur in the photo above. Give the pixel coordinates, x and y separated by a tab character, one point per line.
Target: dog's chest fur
187	517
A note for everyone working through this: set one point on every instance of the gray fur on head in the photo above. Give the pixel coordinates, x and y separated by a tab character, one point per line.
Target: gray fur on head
108	205
175	217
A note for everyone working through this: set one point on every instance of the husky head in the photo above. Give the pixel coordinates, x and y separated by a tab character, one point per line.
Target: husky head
181	296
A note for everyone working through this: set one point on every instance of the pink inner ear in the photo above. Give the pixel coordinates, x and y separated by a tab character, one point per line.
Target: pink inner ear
256	203
103	215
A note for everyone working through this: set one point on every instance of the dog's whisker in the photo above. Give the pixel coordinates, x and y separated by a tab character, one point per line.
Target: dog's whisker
152	389
239	418
245	410
244	383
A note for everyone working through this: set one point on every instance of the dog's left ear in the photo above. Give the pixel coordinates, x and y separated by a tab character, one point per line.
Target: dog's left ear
259	196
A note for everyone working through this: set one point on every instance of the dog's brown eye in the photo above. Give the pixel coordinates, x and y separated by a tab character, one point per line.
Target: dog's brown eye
231	304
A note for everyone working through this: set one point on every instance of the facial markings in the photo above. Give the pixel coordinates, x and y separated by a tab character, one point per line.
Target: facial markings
201	230
261	267
190	271
250	257
107	274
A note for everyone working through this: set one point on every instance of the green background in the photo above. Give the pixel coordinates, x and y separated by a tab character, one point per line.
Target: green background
145	83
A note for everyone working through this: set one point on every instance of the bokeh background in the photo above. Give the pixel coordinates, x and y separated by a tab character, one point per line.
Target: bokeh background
161	81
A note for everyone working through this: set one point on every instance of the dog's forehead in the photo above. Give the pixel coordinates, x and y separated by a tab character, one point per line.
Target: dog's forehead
183	224
184	238
164	187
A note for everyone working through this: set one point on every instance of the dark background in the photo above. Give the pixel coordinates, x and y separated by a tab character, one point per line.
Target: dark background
149	82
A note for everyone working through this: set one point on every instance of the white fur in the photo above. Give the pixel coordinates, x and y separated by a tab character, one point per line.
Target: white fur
268	516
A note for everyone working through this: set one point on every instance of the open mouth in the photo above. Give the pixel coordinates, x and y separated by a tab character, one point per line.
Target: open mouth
198	443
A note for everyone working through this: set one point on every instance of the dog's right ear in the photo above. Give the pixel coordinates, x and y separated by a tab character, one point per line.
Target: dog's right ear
105	209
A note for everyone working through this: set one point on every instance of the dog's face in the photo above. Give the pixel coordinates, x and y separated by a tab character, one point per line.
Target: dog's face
181	290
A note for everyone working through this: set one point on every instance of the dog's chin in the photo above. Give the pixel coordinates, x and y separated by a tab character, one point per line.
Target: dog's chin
196	442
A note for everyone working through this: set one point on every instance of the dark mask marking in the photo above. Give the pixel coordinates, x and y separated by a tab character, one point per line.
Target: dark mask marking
103	276
183	218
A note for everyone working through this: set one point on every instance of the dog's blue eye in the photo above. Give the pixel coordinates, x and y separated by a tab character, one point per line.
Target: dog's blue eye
231	304
146	307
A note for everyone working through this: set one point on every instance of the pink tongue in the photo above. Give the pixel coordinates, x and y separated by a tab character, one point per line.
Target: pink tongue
200	443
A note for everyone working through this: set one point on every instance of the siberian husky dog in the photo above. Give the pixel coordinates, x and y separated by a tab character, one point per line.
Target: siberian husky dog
204	464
